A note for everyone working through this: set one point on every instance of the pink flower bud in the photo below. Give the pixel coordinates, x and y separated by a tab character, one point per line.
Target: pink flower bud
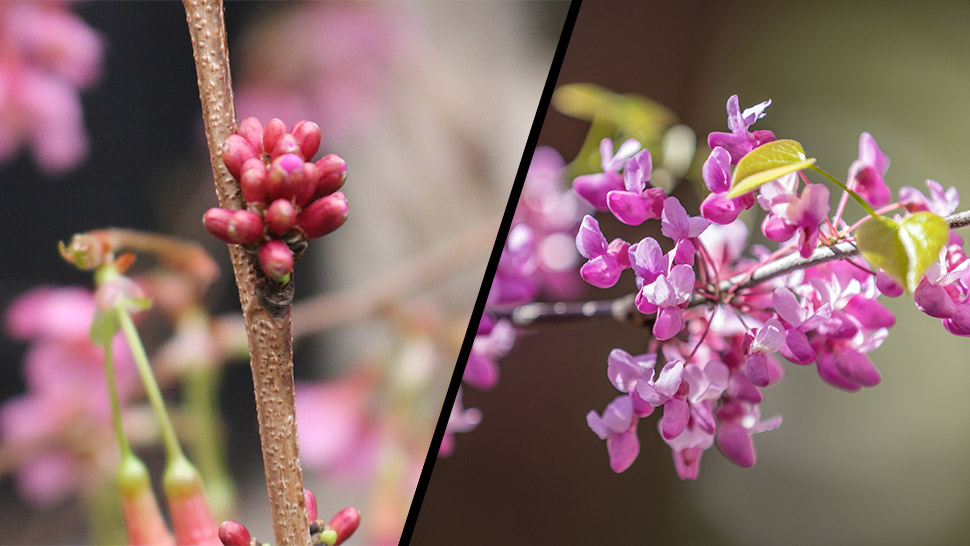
286	145
233	533
323	215
345	523
306	184
191	517
307	135
333	174
252	180
274	130
252	130
143	519
281	216
245	227
216	222
235	152
276	259
311	505
279	182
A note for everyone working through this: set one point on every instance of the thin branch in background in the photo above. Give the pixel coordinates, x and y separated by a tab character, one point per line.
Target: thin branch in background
624	309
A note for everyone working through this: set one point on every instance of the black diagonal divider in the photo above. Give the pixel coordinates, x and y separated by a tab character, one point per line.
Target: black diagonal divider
500	237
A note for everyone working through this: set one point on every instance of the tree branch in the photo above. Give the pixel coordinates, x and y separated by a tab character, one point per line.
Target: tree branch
265	309
624	310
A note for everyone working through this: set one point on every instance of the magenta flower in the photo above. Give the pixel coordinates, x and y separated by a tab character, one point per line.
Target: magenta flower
740	141
639	201
665	296
491	344
460	420
625	371
513	282
766	340
797	320
677	225
866	173
806	213
618	426
669	391
738	421
940	202
594	188
717	206
336	434
604	262
687	448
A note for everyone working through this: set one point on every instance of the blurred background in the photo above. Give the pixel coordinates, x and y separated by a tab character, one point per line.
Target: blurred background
887	465
430	104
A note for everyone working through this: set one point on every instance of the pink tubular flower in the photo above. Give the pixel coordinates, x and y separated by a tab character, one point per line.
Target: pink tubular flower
639	201
677	225
798	320
605	262
49	55
766	340
618	426
866	173
594	188
740	141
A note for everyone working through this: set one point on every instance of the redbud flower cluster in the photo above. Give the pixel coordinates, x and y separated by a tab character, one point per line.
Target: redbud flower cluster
715	338
289	199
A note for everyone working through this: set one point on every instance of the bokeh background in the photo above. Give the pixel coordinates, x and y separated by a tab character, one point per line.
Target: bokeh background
429	103
888	465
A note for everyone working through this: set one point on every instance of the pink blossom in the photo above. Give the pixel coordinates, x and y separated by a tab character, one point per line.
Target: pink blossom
740	141
594	188
677	225
49	55
665	295
738	422
866	173
460	420
766	340
618	426
335	431
605	262
481	370
717	206
639	201
940	202
798	320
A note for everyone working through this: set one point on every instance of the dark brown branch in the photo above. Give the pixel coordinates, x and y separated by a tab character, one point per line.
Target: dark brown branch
624	310
265	309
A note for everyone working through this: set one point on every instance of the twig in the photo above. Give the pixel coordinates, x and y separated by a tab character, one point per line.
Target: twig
623	309
267	313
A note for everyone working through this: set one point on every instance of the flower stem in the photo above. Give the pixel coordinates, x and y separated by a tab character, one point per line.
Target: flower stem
109	370
172	447
862	202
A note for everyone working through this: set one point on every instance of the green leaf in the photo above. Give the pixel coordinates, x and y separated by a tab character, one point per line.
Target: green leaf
766	163
903	249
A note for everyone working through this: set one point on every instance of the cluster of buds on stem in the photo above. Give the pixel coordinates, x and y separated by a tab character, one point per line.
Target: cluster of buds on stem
289	199
331	533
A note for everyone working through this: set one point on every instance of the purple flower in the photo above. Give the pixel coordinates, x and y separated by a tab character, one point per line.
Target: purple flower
605	262
460	420
740	141
667	391
665	296
618	426
866	173
677	225
717	206
595	187
940	202
738	421
639	201
797	320
625	371
513	282
806	213
766	340
481	370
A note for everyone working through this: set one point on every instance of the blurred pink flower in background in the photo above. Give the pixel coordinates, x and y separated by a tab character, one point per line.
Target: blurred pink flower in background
62	424
47	55
329	62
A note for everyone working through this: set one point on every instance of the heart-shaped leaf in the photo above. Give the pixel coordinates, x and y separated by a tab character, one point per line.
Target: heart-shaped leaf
766	163
903	249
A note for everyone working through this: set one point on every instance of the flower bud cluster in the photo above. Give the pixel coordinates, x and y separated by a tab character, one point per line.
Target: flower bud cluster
331	533
289	198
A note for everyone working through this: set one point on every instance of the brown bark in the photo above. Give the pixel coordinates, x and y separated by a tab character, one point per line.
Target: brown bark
265	306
